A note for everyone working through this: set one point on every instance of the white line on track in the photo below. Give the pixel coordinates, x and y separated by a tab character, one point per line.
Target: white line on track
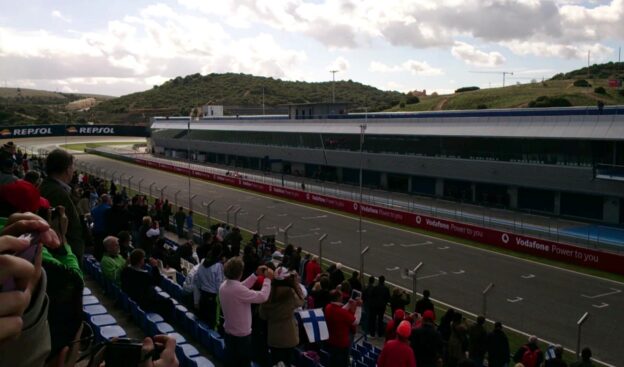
514	300
301	235
602	305
314	217
613	291
314	229
393	269
335	243
388	244
528	276
406	245
461	271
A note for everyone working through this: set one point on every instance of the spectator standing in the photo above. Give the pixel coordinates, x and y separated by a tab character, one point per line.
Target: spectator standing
380	296
166	214
145	242
313	268
233	242
320	293
424	303
117	217
236	298
366	301
179	218
397	317
189	226
477	341
251	260
399	300
557	361
427	342
341	321
530	355
112	262
458	342
397	352
336	276
209	279
55	188
498	347
585	361
354	281
98	216
125	243
278	311
139	283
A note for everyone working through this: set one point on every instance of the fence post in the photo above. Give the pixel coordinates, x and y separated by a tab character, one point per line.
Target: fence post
258	224
414	274
140	182
175	198
321	239
150	188
207	205
364	251
227	214
130	183
236	216
580	323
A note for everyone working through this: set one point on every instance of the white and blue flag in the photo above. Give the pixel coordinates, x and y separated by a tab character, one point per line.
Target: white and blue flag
313	322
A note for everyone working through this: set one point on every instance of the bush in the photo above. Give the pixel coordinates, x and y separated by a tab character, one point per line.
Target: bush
402	105
621	92
466	89
482	107
600	90
412	99
545	101
582	83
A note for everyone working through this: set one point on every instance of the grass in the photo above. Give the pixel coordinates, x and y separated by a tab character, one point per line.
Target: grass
516	340
514	96
80	147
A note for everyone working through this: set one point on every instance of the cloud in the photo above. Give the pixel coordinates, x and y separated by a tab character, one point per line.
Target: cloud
340	64
413	66
473	56
57	14
565	51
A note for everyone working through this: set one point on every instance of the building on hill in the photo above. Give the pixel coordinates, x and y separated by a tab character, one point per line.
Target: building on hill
559	161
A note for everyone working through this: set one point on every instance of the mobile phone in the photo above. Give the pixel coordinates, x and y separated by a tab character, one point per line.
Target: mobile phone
29	254
355	294
123	353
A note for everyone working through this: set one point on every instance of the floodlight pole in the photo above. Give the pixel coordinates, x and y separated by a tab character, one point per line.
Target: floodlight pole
286	229
414	274
191	201
485	293
366	249
580	323
321	239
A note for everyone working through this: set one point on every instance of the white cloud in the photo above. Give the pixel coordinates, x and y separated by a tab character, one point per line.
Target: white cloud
473	56
340	63
565	51
413	66
57	14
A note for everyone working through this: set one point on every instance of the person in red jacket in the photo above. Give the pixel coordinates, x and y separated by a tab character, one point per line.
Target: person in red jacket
397	352
341	322
313	268
392	325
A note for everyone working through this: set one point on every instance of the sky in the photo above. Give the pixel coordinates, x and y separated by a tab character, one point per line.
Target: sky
118	47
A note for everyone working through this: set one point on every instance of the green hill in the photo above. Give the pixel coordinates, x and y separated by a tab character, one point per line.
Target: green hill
179	95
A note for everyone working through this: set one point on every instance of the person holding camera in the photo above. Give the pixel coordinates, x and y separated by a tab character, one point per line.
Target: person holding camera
236	298
283	334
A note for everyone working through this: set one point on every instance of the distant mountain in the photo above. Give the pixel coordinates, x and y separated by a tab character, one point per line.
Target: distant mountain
31	106
177	96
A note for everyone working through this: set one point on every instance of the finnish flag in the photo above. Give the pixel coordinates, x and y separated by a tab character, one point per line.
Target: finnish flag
550	353
313	322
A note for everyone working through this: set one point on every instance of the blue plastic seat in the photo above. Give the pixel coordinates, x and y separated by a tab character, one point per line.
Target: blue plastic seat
324	357
93	310
124	301
102	320
86	291
111	331
179	338
200	361
203	332
90	300
370	362
164	328
154	317
185	352
367	345
179	314
218	345
191	325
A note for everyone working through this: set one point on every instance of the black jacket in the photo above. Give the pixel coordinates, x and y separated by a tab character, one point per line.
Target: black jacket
427	344
498	348
380	296
139	285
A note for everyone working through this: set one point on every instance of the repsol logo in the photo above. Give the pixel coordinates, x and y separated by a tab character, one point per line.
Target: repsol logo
96	130
32	131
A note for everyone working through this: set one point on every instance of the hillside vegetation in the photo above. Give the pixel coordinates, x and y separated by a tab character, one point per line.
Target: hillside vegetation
244	94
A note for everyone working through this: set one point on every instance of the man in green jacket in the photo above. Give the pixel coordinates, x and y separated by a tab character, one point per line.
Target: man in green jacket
55	188
112	262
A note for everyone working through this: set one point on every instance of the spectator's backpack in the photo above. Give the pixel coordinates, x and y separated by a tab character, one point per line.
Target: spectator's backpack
530	357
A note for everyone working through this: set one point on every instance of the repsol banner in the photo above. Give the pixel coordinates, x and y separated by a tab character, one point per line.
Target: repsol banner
35	131
567	253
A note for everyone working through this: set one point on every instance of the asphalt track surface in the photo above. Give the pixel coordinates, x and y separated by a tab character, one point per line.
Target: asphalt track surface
531	297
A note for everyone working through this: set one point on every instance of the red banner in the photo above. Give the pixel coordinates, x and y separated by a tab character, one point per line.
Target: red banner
589	258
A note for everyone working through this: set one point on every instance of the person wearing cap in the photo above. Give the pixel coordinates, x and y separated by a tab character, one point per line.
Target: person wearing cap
530	354
276	258
397	352
427	342
278	311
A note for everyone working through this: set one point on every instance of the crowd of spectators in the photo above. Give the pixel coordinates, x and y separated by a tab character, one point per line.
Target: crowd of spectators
251	293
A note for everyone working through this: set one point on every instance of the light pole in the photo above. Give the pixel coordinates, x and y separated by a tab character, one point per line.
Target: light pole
286	229
485	292
362	131
191	201
414	273
321	239
175	198
366	249
207	205
580	323
150	188
334	84
258	223
236	216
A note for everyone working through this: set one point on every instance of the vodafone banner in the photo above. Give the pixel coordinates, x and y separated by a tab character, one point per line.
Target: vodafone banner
594	259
